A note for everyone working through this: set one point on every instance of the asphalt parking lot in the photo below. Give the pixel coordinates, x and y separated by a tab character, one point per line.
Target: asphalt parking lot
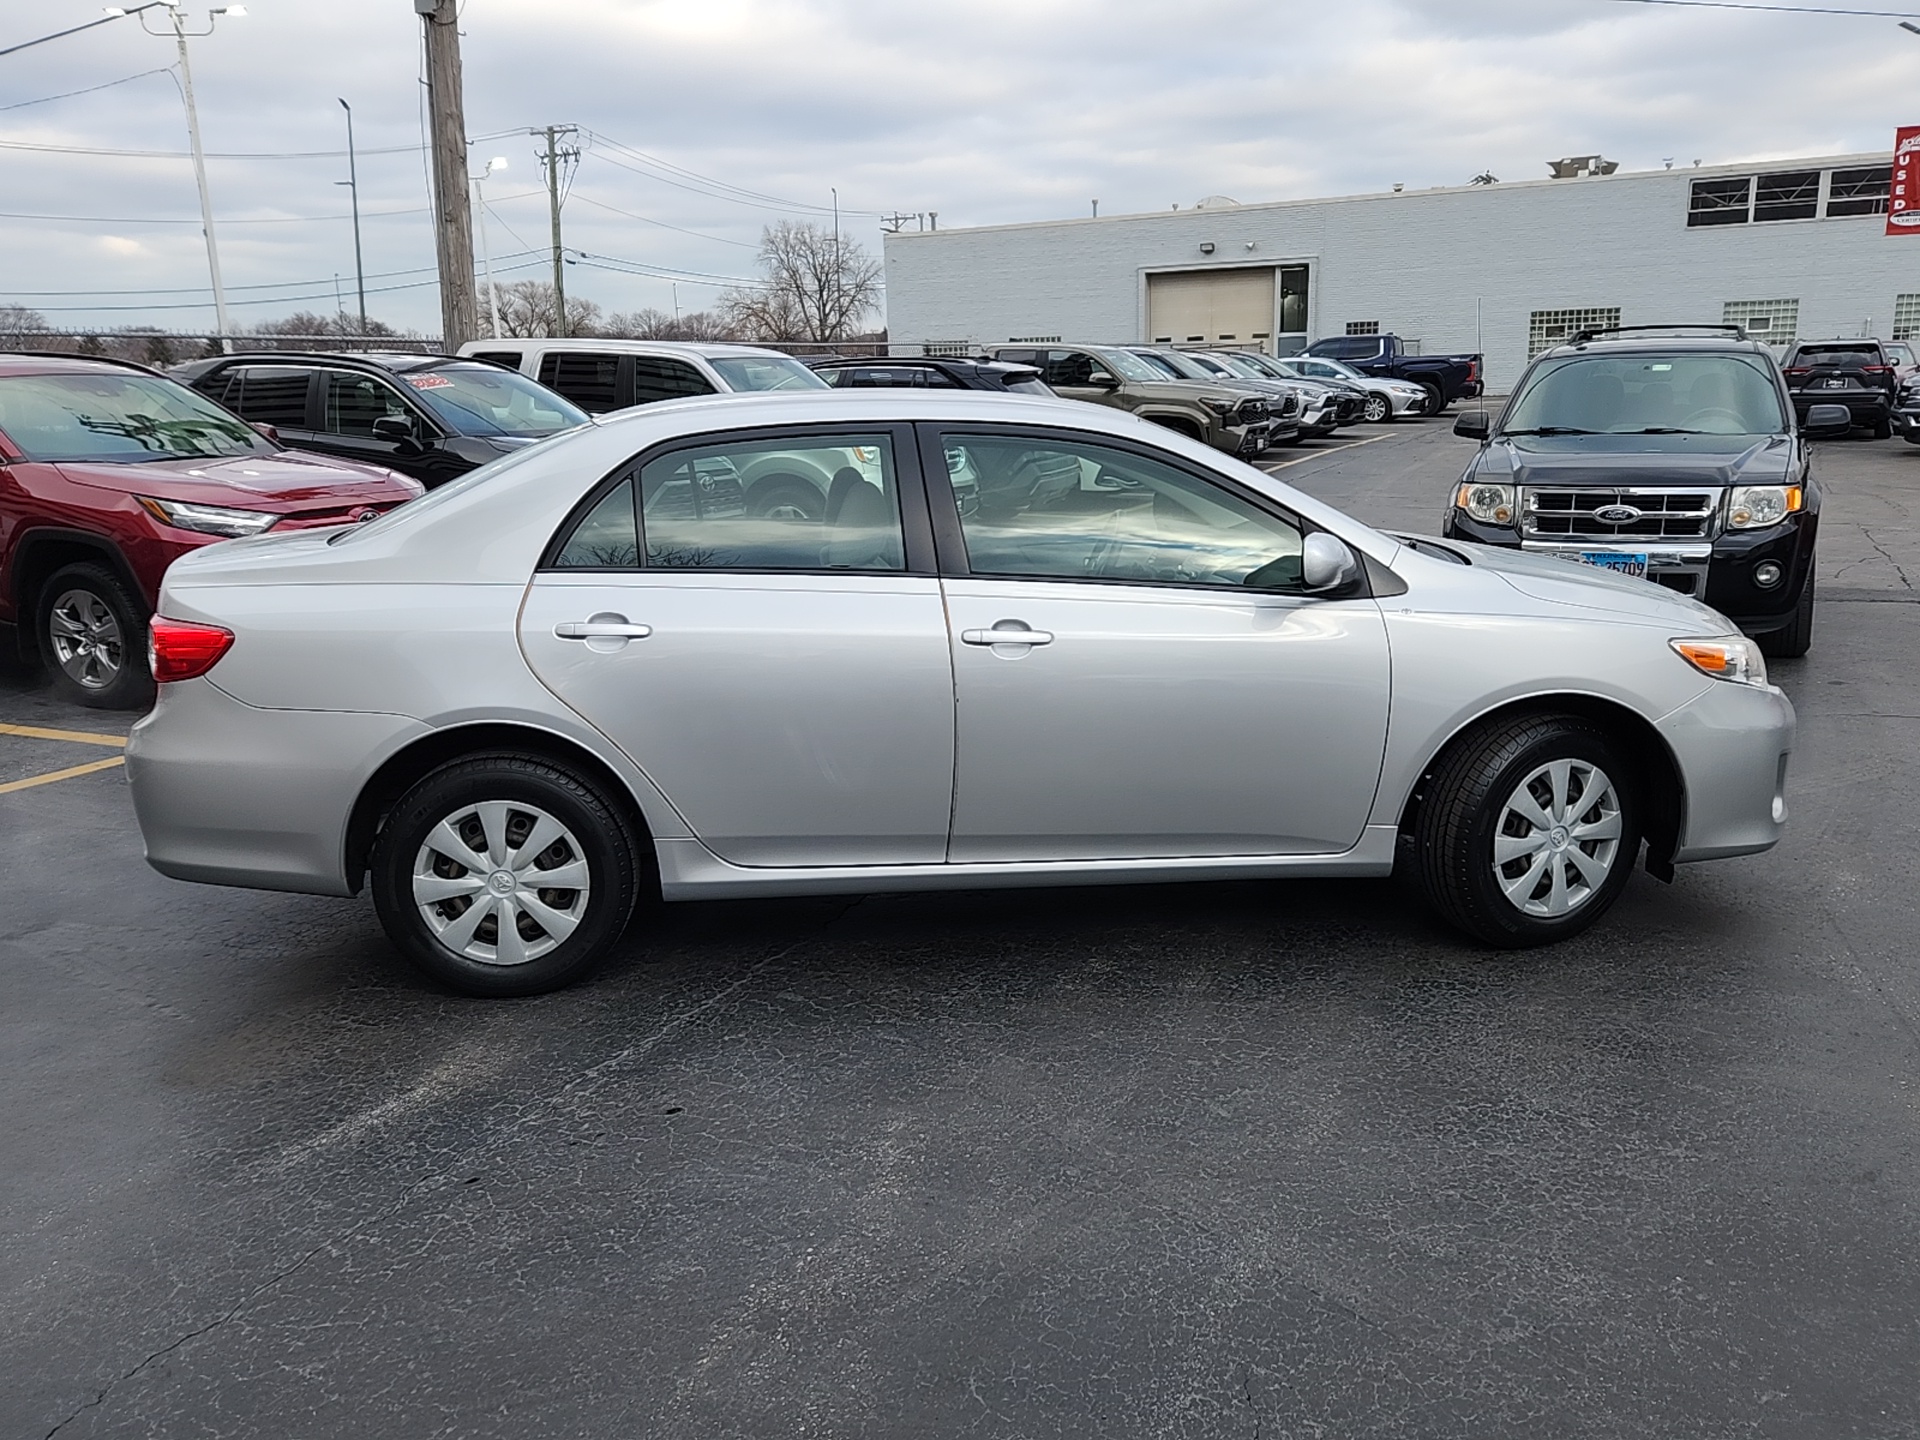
1216	1160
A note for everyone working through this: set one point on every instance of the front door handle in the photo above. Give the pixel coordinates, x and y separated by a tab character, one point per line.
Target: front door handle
1007	632
601	627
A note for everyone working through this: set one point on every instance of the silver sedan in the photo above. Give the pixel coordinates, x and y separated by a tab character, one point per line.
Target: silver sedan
1026	642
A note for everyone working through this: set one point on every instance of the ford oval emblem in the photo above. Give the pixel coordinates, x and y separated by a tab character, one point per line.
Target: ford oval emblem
1616	514
361	517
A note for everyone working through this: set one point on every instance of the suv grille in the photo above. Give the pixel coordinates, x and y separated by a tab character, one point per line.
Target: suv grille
1657	515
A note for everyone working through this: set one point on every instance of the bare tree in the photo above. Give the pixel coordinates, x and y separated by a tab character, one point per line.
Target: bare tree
527	310
818	286
651	324
303	326
18	324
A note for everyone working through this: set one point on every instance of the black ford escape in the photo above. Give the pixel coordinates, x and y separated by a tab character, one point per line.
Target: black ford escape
1674	456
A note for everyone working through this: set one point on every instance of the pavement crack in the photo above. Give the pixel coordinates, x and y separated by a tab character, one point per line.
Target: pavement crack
1887	555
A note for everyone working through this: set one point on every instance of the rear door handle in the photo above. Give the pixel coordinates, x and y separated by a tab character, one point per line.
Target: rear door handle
1008	636
597	629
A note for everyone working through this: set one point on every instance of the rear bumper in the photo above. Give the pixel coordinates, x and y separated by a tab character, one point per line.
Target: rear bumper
1732	744
1868	407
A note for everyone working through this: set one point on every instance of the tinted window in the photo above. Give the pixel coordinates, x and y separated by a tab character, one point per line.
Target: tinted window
1629	395
1359	347
656	378
590	381
480	400
1067	367
608	538
508	358
271	395
354	402
1063	510
774	505
1837	355
118	417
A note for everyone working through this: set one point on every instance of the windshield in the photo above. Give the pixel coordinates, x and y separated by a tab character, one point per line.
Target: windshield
1180	367
1162	366
122	417
484	400
1129	366
1240	365
766	372
1700	394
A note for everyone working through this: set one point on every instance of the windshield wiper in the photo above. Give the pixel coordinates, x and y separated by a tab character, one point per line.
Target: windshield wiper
1555	430
1669	430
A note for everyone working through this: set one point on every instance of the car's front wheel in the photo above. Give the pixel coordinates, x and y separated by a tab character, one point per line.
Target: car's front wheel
1378	410
1529	830
505	875
93	632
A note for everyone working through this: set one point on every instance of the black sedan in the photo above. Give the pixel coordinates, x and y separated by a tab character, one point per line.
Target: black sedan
929	372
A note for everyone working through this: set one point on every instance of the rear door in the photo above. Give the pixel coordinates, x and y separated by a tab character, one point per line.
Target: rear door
283	396
784	680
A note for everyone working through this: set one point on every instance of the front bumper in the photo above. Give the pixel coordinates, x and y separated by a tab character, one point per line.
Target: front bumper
1906	423
1406	405
1731	743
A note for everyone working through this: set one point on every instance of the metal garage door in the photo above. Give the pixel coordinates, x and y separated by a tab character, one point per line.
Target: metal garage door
1231	307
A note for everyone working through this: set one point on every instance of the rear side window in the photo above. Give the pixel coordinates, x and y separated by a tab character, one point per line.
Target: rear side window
658	378
1066	367
607	538
509	358
270	395
591	381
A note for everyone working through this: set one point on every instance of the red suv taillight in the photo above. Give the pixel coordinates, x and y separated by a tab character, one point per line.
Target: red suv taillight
182	650
1876	369
1798	370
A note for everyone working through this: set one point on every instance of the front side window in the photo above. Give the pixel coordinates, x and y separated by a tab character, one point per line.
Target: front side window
126	418
1686	394
658	377
270	395
354	402
479	400
766	372
774	505
1066	510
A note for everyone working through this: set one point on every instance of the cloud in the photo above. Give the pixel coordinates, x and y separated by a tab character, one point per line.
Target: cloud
987	112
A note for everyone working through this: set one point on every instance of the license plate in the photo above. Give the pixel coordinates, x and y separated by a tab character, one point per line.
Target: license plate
1615	560
1834	382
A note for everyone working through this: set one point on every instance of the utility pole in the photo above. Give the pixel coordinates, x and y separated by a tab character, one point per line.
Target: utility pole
452	215
353	187
499	162
556	153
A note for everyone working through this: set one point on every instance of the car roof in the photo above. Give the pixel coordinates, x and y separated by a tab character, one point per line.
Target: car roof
1661	345
397	362
971	362
54	362
712	349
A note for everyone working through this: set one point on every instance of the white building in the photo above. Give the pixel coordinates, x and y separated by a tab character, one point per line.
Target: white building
1789	249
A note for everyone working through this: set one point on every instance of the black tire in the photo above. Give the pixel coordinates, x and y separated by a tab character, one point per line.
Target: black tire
787	496
92	632
1883	429
1464	811
1796	639
1436	400
596	834
1378	410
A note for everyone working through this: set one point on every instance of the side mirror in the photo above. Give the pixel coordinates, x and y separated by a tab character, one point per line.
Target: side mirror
1827	422
1104	379
1474	425
266	432
1326	563
397	428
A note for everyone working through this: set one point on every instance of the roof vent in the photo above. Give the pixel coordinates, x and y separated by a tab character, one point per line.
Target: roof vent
1573	166
1218	202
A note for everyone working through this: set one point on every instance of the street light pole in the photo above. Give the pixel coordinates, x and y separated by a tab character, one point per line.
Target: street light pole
499	162
353	188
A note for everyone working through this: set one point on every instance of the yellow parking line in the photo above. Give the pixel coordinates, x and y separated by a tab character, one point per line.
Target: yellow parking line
33	780
78	737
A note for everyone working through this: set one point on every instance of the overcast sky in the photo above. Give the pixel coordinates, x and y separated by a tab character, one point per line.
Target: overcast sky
986	111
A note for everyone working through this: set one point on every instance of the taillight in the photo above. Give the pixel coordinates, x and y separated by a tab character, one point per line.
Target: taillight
182	650
1798	370
1473	370
1876	369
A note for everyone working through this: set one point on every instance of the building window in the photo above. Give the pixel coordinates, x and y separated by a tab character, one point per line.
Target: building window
1859	192
1547	328
1033	339
1776	322
1906	317
957	348
1363	327
1721	202
1787	195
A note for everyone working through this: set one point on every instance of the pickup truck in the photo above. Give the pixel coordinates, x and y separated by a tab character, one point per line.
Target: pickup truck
1446	378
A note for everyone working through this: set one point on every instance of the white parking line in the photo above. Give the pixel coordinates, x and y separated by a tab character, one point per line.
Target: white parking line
1330	450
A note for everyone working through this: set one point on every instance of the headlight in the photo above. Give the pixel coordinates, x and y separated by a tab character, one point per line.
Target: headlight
207	519
1489	504
1751	506
1724	657
1224	408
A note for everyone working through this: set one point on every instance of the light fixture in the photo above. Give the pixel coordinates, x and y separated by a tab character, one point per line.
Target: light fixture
1206	247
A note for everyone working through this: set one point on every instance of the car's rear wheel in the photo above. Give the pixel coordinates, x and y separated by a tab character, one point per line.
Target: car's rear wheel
1529	830
1436	400
93	633
1797	638
505	875
1378	410
1883	429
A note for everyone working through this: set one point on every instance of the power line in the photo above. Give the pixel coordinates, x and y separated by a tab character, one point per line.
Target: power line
706	184
261	300
225	221
271	285
698	235
620	266
1777	9
69	94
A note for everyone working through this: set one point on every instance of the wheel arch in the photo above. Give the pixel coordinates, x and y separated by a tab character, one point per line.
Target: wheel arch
1662	787
400	771
1185	422
45	549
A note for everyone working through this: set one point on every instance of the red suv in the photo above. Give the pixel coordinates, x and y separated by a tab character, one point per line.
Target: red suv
108	472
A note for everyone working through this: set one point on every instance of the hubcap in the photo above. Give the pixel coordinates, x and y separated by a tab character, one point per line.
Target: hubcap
87	643
1376	409
1558	838
501	882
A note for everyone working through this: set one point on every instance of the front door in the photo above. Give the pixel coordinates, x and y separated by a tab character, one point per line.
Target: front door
1138	671
783	679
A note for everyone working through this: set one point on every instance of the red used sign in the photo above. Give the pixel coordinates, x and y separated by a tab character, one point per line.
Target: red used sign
1903	199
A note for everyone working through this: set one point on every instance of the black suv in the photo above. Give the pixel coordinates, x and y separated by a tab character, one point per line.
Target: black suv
428	416
1674	456
930	372
1855	373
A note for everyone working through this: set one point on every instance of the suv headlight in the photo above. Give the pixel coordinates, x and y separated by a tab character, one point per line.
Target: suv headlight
1724	657
1224	406
1749	507
207	519
1489	504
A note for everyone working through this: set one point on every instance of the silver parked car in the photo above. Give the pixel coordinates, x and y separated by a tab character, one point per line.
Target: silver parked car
587	673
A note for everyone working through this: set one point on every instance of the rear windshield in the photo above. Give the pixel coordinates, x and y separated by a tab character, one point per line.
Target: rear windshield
129	418
485	400
1838	355
766	372
1649	394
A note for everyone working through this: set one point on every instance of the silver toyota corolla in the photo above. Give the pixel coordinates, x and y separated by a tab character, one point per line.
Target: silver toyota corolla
1025	642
